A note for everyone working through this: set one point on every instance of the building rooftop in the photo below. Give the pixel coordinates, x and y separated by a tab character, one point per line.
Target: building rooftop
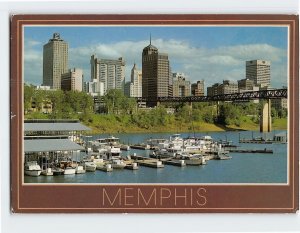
54	126
47	145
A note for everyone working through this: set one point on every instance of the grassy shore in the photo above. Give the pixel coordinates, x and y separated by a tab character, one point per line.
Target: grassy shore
114	126
123	124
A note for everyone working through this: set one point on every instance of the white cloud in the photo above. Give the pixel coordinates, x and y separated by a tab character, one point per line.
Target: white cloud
211	64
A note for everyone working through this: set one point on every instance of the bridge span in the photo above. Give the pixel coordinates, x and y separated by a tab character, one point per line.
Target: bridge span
243	96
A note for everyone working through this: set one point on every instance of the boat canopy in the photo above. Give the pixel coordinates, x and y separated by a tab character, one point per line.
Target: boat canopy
47	145
29	127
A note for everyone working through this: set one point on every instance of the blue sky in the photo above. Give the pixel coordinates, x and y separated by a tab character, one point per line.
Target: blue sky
210	53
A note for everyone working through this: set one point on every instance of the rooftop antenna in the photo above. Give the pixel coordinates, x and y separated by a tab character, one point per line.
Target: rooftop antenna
150	38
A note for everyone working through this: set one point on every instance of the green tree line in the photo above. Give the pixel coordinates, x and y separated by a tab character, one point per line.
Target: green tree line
117	109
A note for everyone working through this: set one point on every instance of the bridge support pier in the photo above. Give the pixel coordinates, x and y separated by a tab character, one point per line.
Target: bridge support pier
265	117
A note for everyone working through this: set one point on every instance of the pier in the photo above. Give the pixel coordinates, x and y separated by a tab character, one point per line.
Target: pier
174	162
264	151
153	163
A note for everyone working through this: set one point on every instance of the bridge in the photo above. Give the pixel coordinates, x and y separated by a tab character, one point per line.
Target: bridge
243	96
265	115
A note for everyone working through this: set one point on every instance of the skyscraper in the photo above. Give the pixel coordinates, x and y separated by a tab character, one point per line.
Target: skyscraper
181	86
197	89
55	61
136	79
110	72
156	77
259	72
72	80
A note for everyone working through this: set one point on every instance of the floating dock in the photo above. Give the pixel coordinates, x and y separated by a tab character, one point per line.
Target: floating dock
140	147
151	163
255	141
175	162
264	151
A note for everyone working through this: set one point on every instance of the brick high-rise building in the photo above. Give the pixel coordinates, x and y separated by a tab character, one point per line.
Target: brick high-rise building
259	71
197	89
55	61
156	76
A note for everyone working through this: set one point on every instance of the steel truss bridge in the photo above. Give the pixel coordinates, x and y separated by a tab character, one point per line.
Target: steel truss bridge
244	96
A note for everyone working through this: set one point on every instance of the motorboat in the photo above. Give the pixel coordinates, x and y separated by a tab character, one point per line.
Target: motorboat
47	172
105	167
89	166
32	169
112	141
69	171
166	153
117	164
57	171
80	170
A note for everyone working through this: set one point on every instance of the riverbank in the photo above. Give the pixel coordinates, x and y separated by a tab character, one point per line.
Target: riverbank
114	126
106	124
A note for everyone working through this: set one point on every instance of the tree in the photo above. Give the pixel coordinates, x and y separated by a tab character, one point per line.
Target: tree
28	97
229	114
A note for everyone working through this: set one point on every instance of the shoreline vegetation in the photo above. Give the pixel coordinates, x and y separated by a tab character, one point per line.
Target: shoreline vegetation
120	114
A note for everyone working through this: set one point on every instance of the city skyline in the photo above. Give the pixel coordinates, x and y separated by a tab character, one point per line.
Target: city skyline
196	51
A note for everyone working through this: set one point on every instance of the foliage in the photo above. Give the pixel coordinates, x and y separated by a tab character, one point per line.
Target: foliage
122	115
65	105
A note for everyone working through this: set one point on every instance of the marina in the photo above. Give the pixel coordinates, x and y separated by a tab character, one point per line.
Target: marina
163	161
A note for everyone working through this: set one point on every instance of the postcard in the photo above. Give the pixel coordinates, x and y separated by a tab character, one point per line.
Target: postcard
154	113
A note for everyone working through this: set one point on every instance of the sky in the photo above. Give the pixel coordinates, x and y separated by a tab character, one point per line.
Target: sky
210	53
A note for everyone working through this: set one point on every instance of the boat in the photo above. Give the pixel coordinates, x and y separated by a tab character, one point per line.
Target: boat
192	159
155	143
79	170
69	171
132	166
57	171
112	141
166	153
32	169
105	167
47	172
118	164
89	166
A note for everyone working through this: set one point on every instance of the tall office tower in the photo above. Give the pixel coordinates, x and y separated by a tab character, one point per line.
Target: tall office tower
181	86
197	89
55	61
94	88
110	72
157	77
72	80
136	80
259	72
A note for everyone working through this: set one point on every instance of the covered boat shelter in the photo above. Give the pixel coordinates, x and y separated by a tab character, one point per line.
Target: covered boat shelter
51	129
52	141
48	151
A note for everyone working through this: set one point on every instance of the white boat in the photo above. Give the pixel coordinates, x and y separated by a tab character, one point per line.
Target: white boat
90	166
47	172
69	171
105	167
117	164
176	140
32	169
166	153
112	141
80	170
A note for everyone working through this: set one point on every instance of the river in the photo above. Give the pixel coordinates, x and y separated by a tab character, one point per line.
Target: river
242	168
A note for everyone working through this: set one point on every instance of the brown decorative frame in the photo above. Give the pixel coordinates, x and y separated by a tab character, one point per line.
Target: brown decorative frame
69	198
